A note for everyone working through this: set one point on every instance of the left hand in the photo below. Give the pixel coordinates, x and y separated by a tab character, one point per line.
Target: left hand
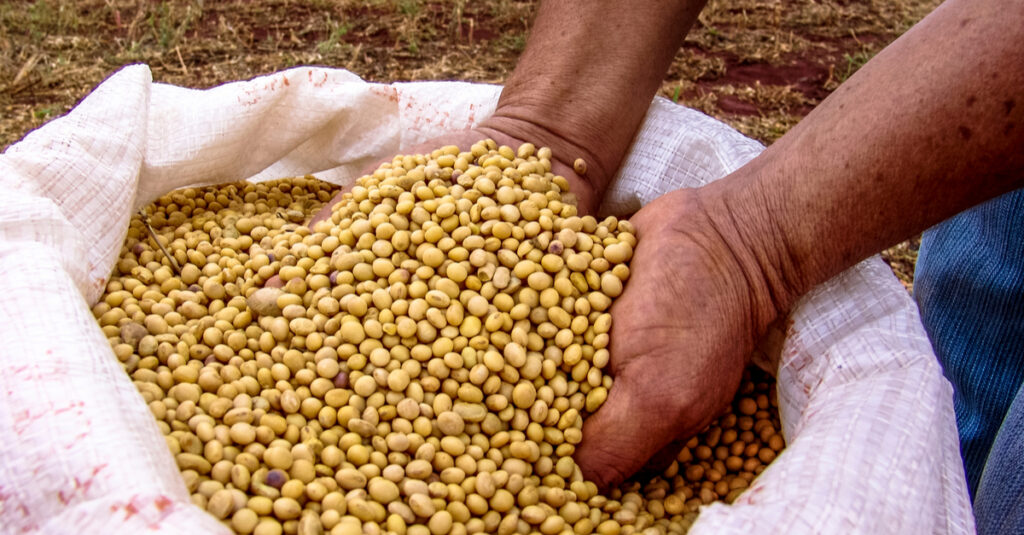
682	333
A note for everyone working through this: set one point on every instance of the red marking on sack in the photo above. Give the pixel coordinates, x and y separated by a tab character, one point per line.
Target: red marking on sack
164	508
75	405
285	80
81	436
23	420
163	504
317	83
252	94
84	486
389	93
7	497
80	486
130	508
138	505
25	514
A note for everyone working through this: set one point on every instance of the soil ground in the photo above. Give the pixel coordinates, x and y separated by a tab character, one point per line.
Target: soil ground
758	65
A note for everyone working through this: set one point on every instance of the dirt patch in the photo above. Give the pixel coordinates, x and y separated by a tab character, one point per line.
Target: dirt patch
807	76
803	74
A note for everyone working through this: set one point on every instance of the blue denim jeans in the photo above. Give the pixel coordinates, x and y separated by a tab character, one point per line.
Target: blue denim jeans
969	286
999	502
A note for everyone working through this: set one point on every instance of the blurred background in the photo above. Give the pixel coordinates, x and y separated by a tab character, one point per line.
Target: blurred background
758	65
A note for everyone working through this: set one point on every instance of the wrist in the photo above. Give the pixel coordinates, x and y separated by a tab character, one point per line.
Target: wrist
745	219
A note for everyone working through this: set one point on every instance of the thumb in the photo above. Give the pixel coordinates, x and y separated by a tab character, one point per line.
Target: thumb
629	428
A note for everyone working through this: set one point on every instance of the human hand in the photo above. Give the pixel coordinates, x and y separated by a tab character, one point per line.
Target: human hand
512	133
682	333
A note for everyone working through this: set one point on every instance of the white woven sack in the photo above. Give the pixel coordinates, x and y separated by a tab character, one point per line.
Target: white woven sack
868	415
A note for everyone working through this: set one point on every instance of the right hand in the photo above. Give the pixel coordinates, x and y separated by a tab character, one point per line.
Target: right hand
513	133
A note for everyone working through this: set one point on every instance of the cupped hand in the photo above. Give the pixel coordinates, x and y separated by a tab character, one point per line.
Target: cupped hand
681	335
512	133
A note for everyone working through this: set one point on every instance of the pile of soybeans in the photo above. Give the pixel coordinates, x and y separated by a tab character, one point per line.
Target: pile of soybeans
424	367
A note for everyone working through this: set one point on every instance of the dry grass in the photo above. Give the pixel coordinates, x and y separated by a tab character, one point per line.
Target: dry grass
758	65
53	52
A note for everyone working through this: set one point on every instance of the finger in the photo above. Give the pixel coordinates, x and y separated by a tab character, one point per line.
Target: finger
661	460
623	434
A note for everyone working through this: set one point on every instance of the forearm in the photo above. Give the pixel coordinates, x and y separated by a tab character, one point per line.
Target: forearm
587	77
933	125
